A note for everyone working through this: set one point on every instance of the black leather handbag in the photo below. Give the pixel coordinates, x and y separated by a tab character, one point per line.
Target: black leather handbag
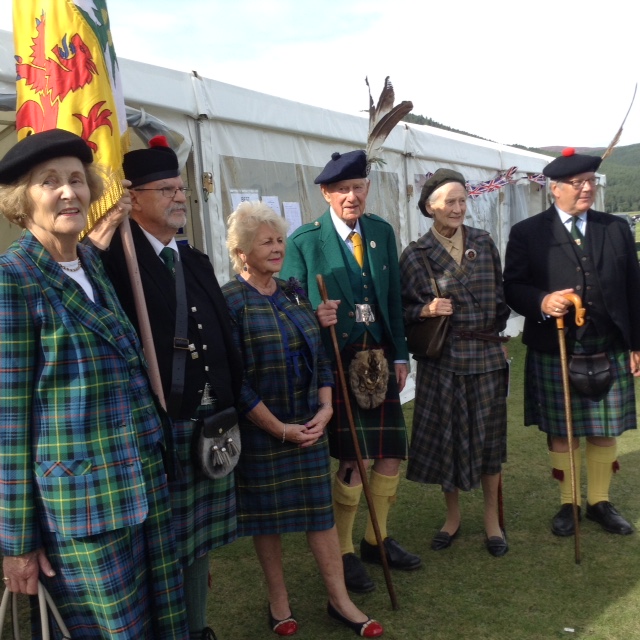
426	338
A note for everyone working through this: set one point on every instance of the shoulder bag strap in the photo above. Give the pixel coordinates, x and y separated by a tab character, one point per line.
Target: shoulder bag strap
434	284
180	344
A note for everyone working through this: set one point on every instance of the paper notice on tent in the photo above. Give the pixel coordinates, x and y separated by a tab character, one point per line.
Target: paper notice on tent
239	196
293	215
272	202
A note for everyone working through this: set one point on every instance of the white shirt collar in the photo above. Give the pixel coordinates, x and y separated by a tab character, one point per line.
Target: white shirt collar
157	245
343	229
565	217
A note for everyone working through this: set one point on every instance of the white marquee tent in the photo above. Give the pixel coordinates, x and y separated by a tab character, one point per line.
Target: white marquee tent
243	142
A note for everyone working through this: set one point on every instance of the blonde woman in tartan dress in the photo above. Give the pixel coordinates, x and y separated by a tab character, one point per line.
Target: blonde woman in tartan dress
283	477
460	424
84	502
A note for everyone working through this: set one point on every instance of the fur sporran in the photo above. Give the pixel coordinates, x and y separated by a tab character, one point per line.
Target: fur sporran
217	444
369	377
590	375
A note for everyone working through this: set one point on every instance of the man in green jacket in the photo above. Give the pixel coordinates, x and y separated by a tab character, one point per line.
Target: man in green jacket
356	254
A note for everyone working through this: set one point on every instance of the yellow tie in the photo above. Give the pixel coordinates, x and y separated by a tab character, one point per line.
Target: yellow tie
358	252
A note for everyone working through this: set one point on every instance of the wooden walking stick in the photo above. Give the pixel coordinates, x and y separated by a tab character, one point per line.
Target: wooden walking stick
580	312
356	445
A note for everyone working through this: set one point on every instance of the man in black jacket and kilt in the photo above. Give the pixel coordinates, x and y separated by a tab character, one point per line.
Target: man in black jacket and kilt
570	248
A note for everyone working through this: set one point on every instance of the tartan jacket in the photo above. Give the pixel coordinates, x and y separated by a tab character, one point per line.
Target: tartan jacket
315	249
69	448
475	288
540	259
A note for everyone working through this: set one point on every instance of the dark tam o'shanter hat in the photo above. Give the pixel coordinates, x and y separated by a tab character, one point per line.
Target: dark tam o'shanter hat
346	166
157	162
440	177
570	164
40	147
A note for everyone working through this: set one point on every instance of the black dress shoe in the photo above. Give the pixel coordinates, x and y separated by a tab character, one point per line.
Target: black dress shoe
370	628
356	578
606	515
442	540
497	545
397	557
208	634
562	523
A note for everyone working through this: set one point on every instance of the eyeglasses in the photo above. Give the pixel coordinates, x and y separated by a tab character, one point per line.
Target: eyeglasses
169	192
578	184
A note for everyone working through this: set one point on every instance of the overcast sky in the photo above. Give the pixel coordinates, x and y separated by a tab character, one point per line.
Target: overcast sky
542	73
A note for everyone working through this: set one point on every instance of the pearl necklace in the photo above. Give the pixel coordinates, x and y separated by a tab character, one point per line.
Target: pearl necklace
72	269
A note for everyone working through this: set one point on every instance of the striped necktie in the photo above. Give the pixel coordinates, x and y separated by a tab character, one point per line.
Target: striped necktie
358	251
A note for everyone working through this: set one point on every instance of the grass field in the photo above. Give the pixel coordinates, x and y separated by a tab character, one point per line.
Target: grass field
536	592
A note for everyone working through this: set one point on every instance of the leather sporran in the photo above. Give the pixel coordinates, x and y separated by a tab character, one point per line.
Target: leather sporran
217	444
426	339
369	378
590	375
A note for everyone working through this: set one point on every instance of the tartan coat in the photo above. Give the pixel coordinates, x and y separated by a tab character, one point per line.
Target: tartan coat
70	459
475	288
315	249
540	259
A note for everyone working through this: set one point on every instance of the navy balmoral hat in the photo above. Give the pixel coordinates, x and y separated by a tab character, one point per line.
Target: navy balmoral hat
40	147
570	164
345	166
157	162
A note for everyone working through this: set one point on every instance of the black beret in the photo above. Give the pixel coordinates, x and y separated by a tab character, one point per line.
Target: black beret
570	164
157	162
40	147
440	177
346	166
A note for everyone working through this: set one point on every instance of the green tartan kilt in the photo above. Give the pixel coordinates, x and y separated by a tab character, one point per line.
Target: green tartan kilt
382	432
204	510
544	397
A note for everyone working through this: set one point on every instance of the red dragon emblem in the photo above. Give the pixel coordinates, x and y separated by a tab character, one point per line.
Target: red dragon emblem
54	77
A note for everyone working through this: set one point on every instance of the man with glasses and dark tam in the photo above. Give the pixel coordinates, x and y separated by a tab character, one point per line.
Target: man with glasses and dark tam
207	372
572	249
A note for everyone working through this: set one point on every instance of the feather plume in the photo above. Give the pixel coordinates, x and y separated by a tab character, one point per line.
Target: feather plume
616	138
382	119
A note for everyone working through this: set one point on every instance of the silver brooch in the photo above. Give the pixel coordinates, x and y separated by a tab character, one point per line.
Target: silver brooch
470	254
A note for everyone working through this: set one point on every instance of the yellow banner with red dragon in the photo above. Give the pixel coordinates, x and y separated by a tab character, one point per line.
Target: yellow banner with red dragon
67	77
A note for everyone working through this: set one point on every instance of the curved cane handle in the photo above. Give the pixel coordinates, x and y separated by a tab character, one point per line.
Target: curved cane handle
577	303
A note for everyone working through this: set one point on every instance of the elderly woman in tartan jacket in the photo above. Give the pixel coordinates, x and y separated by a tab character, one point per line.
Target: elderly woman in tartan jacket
83	491
283	476
459	422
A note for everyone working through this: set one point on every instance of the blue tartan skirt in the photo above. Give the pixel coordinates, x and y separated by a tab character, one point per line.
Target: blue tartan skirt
282	487
544	398
382	432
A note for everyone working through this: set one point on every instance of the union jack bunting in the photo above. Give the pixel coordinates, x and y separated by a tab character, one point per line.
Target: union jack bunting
538	178
502	179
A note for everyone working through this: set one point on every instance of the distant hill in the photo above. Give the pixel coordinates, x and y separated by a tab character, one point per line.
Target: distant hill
622	167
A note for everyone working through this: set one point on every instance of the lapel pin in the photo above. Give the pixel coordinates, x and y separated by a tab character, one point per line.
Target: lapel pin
470	254
372	244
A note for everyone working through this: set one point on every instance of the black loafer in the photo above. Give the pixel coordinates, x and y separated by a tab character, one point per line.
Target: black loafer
497	545
397	557
356	578
606	515
562	523
442	540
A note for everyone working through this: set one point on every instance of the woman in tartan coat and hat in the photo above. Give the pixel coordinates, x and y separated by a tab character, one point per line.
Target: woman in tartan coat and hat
459	435
84	502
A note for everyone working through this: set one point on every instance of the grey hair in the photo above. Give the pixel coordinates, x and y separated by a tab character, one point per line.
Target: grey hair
243	225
